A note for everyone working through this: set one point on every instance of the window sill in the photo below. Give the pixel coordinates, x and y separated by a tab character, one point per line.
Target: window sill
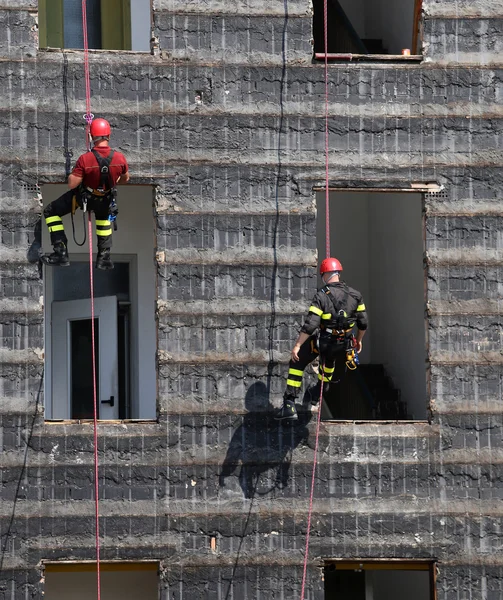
345	57
100	421
96	51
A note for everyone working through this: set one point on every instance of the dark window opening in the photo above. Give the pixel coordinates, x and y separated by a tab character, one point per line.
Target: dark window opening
60	24
378	237
380	580
368	28
81	367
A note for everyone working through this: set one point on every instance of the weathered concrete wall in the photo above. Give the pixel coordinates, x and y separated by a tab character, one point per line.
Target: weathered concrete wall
236	248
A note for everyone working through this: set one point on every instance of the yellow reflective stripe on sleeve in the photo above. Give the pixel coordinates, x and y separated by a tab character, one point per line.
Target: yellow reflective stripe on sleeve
327	370
327	377
104	232
102	222
326	316
315	310
293	383
360	307
55	219
56	228
295	372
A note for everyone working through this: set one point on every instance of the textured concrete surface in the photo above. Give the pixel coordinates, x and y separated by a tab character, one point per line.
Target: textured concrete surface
236	255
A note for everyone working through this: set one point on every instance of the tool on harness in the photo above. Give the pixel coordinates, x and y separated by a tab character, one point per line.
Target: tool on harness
352	360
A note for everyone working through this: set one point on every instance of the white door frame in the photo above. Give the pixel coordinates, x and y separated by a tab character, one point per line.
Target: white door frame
62	314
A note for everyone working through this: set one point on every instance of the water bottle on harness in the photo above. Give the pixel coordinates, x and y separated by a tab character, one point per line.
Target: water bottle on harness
342	328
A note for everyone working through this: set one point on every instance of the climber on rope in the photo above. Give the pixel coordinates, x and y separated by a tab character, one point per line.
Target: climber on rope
335	310
92	187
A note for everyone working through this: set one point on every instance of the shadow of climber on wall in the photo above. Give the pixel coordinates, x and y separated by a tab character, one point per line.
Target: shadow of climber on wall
261	447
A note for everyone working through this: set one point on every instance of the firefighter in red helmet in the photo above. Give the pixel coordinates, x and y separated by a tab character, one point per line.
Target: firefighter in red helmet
335	310
92	187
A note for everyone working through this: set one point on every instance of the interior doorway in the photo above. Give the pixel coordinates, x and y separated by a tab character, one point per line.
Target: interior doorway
125	303
378	237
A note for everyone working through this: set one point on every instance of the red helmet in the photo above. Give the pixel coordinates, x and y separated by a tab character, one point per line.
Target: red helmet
330	265
100	128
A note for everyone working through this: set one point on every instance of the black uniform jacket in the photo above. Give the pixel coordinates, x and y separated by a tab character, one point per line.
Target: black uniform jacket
324	315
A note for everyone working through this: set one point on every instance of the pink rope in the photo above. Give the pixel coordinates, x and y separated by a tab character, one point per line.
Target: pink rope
327	178
95	413
89	118
311	496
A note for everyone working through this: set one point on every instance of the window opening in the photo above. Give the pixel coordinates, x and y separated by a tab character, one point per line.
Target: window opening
60	24
119	581
378	237
366	28
125	316
379	580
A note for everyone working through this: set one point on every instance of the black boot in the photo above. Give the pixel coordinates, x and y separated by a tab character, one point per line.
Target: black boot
59	258
103	260
287	411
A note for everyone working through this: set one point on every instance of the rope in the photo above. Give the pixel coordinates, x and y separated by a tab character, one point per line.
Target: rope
328	253
327	192
89	118
95	416
311	496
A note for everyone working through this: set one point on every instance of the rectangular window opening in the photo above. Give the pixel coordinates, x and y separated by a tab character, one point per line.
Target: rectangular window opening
378	237
379	580
119	580
125	328
368	30
111	24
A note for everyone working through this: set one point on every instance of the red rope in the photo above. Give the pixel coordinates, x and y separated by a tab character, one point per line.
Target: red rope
95	419
327	192
311	497
89	117
327	249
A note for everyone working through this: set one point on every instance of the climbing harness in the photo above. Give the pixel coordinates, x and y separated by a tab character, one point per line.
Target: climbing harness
327	248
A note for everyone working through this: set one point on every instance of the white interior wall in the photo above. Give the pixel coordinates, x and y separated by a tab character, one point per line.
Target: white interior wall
140	25
123	585
389	20
135	236
349	232
378	239
396	585
397	293
355	12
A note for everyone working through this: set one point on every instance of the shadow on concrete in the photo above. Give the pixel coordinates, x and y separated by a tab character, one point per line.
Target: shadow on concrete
261	448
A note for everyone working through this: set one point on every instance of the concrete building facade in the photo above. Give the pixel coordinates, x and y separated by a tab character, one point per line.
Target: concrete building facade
223	125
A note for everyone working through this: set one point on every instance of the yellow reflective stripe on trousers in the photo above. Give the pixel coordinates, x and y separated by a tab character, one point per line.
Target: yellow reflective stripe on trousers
56	228
326	316
102	223
360	307
327	377
327	370
104	231
293	383
55	219
315	310
295	372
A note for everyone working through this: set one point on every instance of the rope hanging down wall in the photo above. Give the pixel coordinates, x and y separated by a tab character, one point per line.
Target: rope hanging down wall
89	118
327	251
